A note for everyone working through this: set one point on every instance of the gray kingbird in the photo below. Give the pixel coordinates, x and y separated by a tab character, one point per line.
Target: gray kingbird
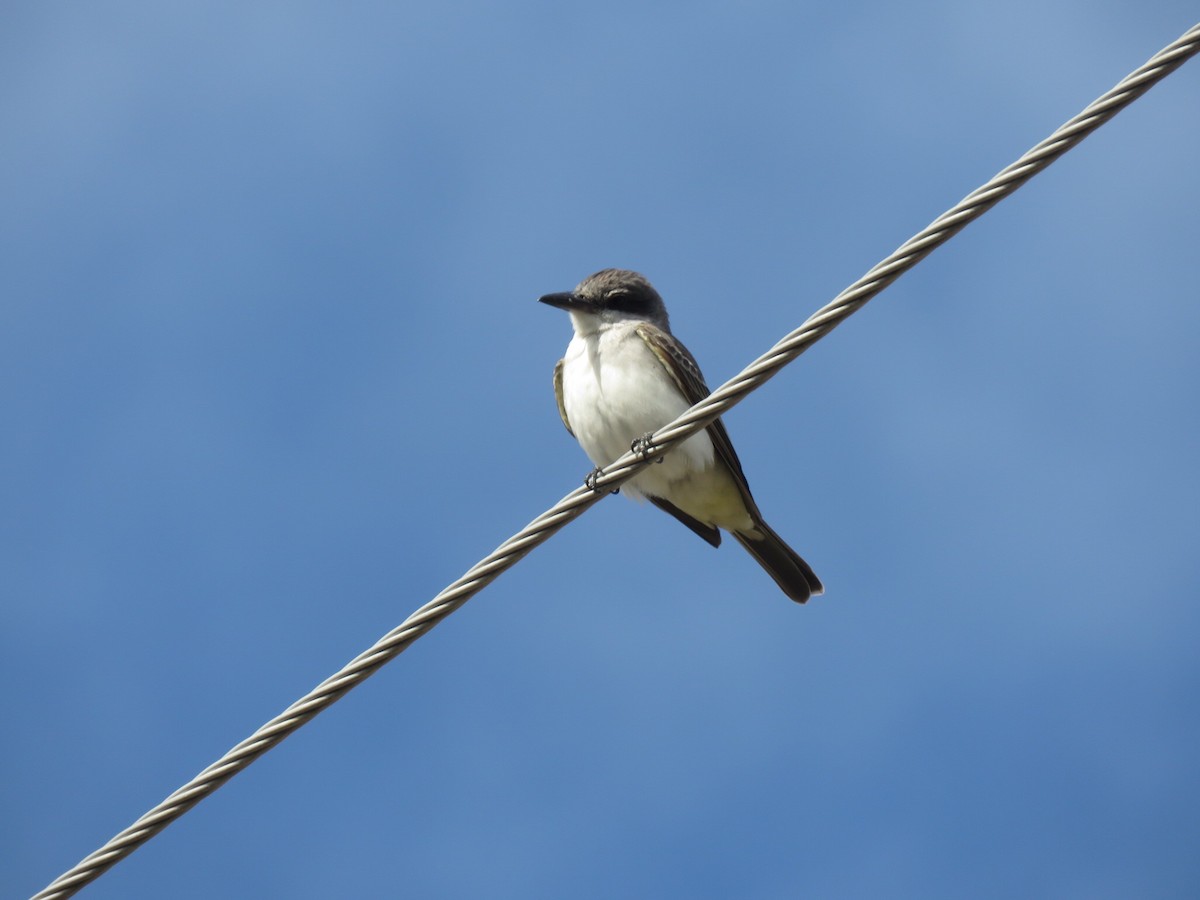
624	376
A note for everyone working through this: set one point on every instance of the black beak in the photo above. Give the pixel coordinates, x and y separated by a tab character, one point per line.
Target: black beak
567	300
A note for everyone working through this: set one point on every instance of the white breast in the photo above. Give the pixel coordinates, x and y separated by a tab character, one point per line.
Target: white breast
615	390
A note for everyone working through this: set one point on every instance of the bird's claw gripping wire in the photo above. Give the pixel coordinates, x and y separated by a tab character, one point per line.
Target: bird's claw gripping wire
643	445
590	481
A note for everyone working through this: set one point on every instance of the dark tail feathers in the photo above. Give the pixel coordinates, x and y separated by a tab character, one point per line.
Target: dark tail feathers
793	575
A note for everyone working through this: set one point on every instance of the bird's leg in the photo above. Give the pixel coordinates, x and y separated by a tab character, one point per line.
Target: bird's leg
641	446
590	481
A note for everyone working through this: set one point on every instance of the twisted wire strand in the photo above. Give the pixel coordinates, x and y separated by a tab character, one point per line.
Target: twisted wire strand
575	503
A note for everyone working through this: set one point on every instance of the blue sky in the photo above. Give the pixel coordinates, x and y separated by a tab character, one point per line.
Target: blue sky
272	374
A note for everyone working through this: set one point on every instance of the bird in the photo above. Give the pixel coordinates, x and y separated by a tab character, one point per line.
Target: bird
625	375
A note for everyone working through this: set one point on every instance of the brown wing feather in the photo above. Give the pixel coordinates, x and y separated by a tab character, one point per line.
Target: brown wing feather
558	396
683	367
710	533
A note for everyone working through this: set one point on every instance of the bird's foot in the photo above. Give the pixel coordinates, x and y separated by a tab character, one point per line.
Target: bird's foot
590	481
643	445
